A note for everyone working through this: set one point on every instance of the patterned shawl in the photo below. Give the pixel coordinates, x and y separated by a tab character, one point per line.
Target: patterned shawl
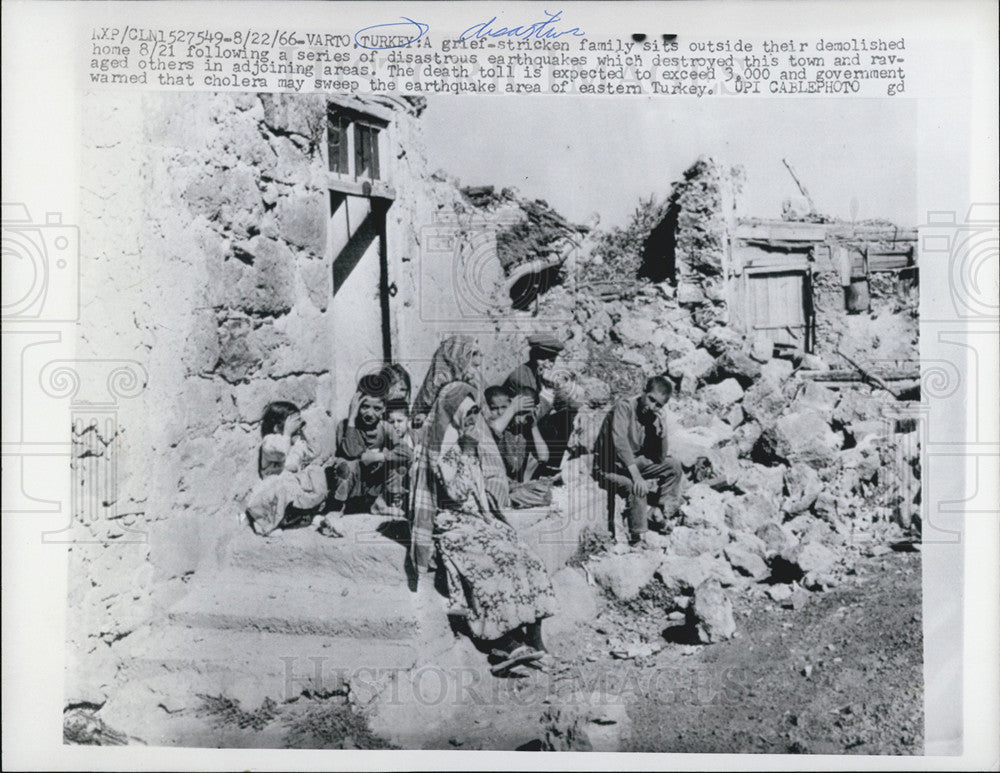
441	430
451	362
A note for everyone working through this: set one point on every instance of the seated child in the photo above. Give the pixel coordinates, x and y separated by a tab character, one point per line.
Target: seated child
291	490
364	456
398	459
520	443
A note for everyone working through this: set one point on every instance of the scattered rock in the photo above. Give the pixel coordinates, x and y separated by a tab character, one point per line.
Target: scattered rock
722	395
750	542
746	563
711	613
624	575
802	485
794	563
803	437
691	368
750	512
682	574
776	538
686	541
704	506
764	401
735	364
720	339
780	592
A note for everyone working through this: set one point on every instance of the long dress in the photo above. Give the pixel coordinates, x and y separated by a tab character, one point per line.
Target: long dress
288	478
491	574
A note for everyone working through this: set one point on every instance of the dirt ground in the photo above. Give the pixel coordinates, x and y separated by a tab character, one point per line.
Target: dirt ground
843	674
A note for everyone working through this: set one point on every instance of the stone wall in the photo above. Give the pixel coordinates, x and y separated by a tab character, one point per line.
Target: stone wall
204	259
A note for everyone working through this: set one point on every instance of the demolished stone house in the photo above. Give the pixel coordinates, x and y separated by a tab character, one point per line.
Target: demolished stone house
812	286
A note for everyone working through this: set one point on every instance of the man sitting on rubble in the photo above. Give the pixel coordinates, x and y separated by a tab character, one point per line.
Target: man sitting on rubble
631	456
556	408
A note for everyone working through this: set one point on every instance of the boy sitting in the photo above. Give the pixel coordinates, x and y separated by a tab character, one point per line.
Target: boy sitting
363	457
398	459
512	420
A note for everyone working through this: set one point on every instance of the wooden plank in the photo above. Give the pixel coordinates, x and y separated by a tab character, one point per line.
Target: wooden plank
783	231
368	188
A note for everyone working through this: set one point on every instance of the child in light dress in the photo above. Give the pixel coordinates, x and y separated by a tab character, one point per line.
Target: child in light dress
292	490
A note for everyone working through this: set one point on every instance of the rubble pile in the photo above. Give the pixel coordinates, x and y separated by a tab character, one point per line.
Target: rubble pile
530	229
787	480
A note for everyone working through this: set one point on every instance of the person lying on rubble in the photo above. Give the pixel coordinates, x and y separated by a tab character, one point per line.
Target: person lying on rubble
521	445
494	582
291	490
458	358
558	401
362	472
631	455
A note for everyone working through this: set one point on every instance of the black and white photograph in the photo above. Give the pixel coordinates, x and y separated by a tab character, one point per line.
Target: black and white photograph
437	421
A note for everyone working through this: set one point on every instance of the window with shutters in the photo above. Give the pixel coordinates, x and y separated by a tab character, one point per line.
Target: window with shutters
353	144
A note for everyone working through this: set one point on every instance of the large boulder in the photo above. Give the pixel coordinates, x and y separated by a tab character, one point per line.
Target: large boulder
750	542
704	506
680	575
721	339
637	330
721	396
711	613
802	486
769	481
691	369
746	562
812	396
745	437
688	541
803	437
807	558
776	538
624	575
688	444
764	401
748	513
736	364
776	372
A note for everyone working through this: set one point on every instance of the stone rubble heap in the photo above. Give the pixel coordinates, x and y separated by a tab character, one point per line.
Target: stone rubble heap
787	481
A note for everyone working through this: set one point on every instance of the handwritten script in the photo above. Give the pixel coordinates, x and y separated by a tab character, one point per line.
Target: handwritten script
407	31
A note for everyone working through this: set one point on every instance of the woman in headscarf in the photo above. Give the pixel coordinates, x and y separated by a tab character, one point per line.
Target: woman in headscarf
494	582
458	359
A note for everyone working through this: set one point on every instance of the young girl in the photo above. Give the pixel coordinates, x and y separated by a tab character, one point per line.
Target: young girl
291	489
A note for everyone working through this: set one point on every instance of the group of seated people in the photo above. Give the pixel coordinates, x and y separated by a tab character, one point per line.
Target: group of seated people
452	463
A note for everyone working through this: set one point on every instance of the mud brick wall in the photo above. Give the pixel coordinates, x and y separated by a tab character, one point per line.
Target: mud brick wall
204	258
702	207
888	331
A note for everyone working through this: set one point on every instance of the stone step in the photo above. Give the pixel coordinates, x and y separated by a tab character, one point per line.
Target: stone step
301	605
252	665
373	549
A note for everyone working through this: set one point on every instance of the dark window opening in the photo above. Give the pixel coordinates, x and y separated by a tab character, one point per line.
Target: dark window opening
337	140
365	151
